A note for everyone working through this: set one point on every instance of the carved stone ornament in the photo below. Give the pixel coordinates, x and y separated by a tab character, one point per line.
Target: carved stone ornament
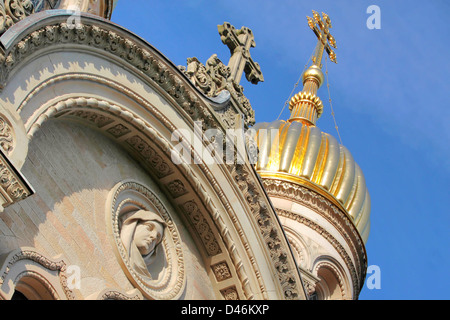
230	293
272	237
5	20
13	186
213	78
221	271
12	11
146	240
6	135
331	213
109	294
161	74
27	263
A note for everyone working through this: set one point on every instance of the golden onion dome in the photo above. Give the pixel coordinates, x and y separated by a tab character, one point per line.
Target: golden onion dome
297	151
303	154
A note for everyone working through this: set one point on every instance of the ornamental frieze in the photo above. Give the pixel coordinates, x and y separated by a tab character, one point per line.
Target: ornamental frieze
13	186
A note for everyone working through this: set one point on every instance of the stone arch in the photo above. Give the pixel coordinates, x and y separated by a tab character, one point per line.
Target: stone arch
301	250
34	276
154	152
135	114
333	284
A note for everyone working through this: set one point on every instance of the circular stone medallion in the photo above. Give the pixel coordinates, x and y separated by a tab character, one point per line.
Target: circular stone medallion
146	241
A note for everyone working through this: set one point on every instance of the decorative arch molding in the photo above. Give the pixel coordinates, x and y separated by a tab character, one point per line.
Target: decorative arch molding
35	275
357	261
118	46
334	268
300	247
180	182
332	240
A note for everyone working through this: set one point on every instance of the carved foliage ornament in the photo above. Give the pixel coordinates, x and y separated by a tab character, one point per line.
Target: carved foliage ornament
6	135
213	78
12	11
19	9
5	20
273	238
210	79
146	240
13	187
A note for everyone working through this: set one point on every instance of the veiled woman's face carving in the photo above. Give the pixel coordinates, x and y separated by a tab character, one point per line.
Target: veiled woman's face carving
147	236
146	240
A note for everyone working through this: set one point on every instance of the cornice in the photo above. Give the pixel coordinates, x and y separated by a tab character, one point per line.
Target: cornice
50	29
334	215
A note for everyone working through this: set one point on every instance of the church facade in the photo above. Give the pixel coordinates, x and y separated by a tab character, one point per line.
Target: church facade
123	176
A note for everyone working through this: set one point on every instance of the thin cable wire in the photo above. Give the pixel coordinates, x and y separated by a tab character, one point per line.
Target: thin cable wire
295	86
329	99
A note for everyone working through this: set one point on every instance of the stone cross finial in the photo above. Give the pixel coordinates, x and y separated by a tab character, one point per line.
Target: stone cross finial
239	42
321	29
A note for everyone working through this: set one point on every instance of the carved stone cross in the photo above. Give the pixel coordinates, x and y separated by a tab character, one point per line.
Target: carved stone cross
321	29
239	42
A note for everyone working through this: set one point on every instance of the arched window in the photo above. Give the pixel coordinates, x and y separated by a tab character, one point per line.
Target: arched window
29	275
18	296
328	287
32	286
332	284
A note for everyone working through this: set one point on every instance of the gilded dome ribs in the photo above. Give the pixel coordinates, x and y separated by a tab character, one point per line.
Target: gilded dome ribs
305	155
320	165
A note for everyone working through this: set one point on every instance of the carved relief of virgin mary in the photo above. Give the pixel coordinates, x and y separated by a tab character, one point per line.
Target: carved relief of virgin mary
141	233
146	240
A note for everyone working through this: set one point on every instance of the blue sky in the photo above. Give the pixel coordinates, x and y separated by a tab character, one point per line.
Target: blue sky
390	94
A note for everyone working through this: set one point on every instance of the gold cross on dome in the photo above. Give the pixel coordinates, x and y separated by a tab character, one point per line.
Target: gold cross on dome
321	29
